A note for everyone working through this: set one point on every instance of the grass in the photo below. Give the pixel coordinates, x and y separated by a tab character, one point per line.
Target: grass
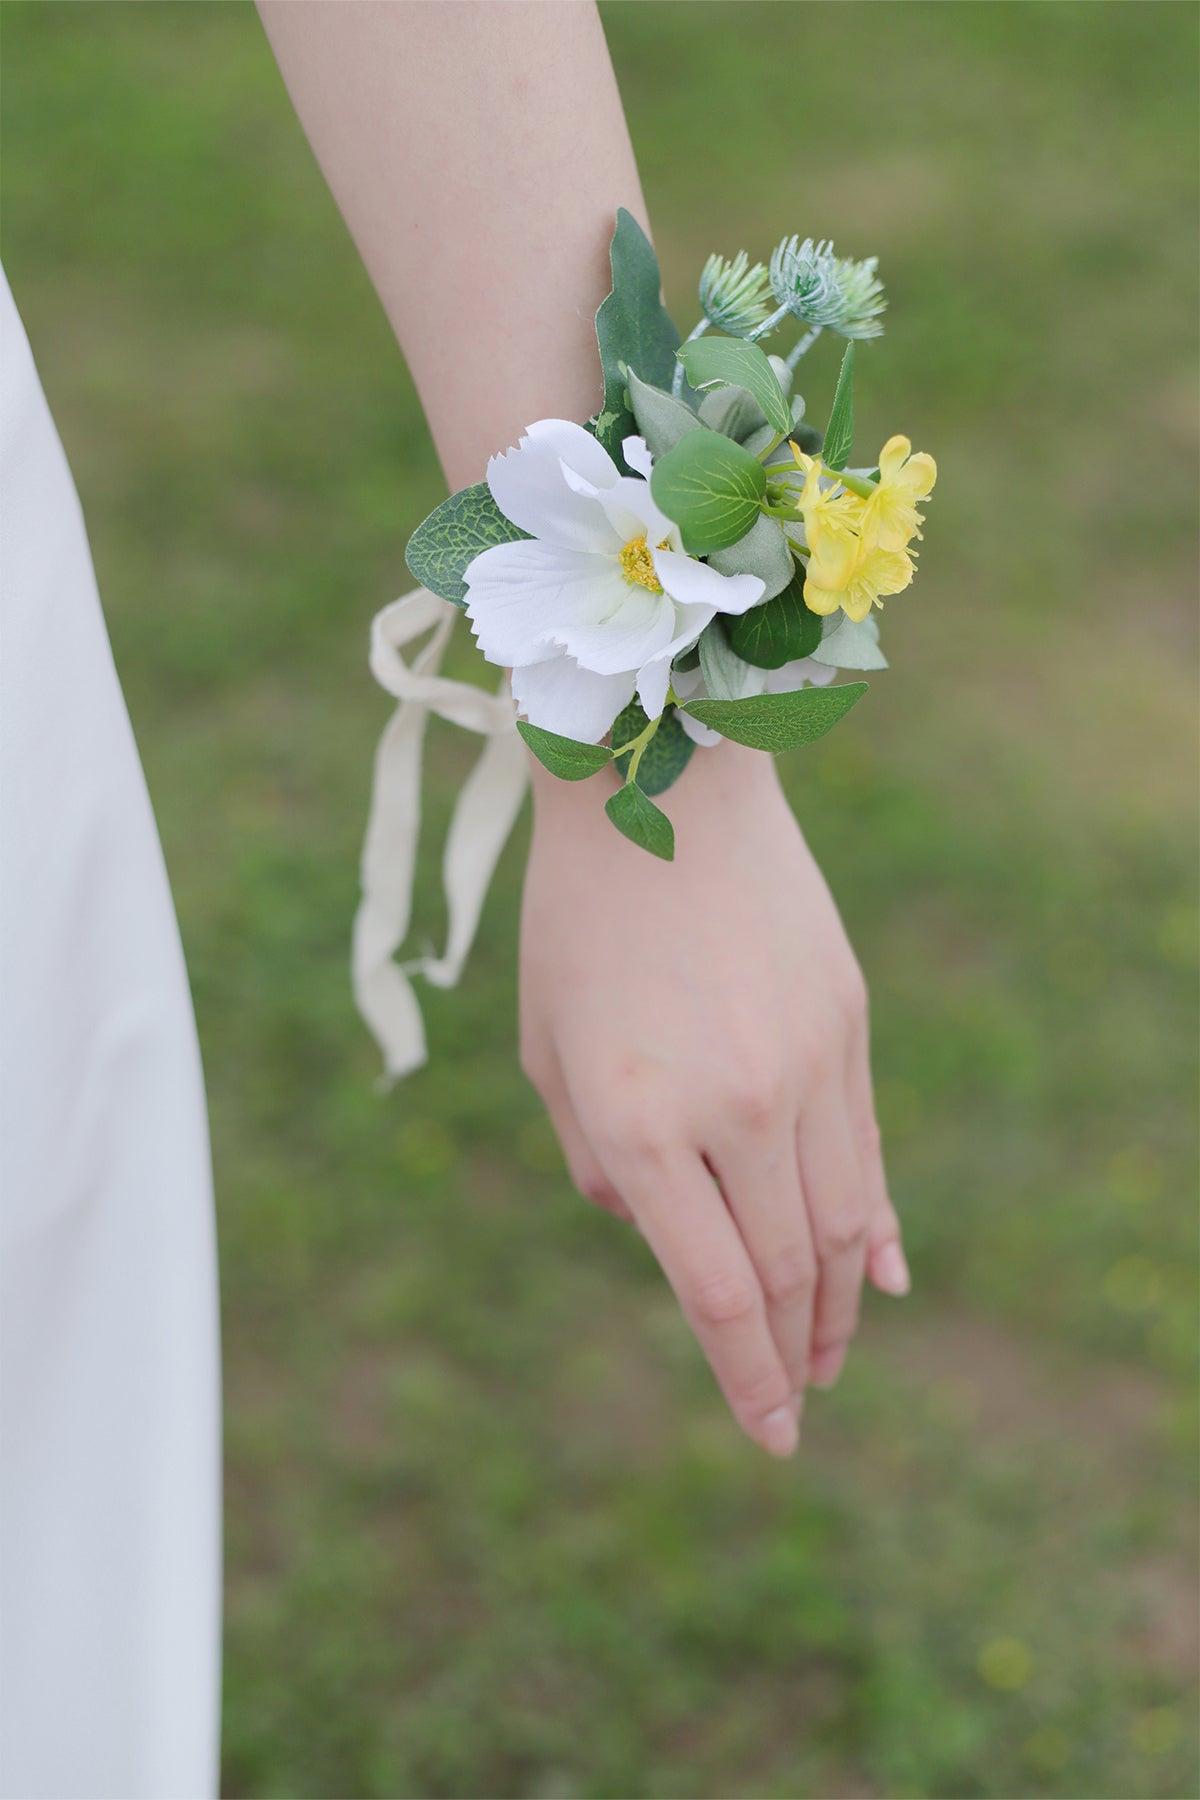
489	1532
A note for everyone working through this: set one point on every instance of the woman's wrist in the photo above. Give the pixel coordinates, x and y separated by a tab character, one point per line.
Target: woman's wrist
716	780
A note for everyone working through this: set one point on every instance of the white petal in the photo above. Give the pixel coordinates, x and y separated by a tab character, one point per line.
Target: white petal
632	512
583	454
802	673
654	677
693	583
517	595
637	455
560	696
619	628
529	487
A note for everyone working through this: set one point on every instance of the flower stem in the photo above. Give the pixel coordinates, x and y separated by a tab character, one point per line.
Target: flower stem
698	330
635	748
802	346
768	325
856	483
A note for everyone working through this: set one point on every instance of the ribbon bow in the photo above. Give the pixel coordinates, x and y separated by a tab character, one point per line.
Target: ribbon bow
483	817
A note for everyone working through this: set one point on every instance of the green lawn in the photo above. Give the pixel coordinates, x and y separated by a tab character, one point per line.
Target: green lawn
489	1530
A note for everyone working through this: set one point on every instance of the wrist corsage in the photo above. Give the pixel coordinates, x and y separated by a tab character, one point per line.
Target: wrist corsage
697	561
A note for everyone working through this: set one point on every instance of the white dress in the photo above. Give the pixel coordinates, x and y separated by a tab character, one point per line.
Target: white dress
109	1407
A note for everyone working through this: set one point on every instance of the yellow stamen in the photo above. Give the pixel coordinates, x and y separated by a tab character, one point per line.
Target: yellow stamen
637	565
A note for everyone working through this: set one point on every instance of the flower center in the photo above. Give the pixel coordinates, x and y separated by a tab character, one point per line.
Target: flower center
637	565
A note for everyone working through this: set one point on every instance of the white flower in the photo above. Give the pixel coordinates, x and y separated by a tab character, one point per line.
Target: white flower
593	606
744	679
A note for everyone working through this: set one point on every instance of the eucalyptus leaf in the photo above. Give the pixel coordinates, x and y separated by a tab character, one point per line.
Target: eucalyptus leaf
760	441
641	821
666	755
778	722
633	329
564	756
850	644
661	419
726	675
839	433
711	488
733	412
781	630
763	552
730	362
453	535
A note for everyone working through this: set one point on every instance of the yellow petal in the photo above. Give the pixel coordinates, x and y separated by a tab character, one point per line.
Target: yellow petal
918	475
820	599
856	603
888	571
893	456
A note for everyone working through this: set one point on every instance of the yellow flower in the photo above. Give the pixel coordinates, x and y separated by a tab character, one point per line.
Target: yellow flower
890	517
824	509
853	573
858	543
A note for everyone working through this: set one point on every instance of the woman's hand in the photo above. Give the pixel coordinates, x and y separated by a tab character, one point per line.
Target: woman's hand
698	1032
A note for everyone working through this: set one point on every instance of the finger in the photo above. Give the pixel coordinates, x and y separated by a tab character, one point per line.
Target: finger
687	1225
833	1190
887	1266
585	1170
761	1185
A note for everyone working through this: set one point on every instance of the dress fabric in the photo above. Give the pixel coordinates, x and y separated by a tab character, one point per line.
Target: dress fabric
109	1388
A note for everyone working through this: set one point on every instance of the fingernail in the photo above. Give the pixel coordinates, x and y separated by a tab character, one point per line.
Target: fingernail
890	1271
827	1366
778	1431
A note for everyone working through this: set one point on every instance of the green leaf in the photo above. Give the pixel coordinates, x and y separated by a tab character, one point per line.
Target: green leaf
711	488
778	721
725	673
641	821
850	645
779	631
666	755
564	756
839	433
763	552
661	419
733	412
728	362
633	330
453	535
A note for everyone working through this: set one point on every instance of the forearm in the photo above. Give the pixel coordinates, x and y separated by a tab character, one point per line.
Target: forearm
478	153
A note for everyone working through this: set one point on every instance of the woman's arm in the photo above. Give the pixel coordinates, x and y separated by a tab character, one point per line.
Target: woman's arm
478	153
687	1022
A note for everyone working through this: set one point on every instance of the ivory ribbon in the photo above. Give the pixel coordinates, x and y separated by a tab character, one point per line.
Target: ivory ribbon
483	817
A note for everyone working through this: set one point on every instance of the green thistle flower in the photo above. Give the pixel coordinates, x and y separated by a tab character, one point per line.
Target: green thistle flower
735	296
823	290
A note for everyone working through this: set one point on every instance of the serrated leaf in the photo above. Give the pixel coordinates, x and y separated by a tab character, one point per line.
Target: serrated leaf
666	755
711	488
781	630
763	552
564	756
633	330
733	412
850	644
641	821
839	433
453	535
778	722
661	419
729	362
